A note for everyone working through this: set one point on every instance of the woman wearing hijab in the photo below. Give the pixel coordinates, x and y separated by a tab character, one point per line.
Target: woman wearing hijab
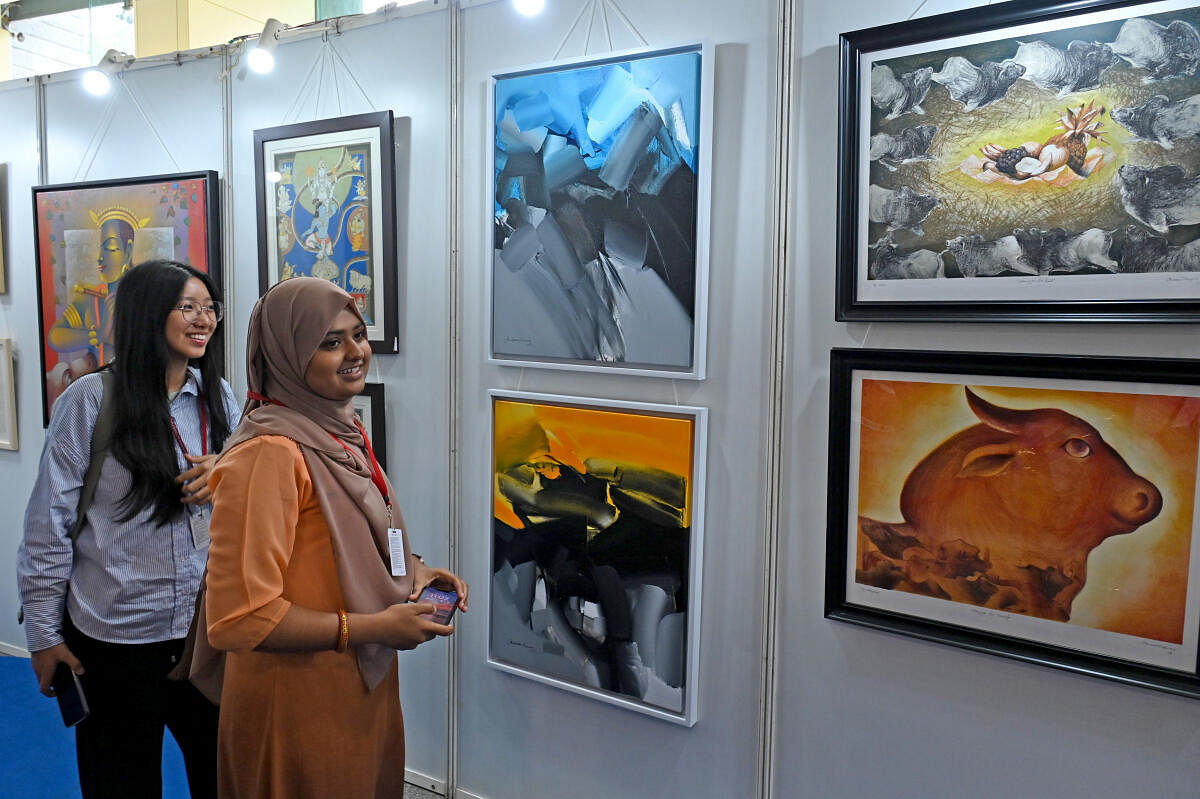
302	589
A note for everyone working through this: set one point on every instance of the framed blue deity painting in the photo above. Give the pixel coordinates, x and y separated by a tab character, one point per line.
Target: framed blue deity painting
327	209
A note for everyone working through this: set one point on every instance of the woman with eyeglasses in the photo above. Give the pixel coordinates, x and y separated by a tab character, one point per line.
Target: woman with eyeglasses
115	605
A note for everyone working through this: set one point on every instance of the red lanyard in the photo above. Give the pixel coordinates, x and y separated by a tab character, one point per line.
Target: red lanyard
376	470
203	429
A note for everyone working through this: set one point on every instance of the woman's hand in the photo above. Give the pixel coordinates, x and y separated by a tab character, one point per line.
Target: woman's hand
45	662
402	626
442	578
195	479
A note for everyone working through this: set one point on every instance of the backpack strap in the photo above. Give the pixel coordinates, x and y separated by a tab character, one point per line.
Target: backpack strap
101	439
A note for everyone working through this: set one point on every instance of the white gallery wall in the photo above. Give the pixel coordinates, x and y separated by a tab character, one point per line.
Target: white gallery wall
867	713
856	712
518	738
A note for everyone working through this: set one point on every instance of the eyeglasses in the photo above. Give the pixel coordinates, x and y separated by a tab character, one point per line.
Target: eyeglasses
191	311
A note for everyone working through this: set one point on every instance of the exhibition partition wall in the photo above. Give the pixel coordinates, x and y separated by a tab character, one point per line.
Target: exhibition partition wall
867	712
674	471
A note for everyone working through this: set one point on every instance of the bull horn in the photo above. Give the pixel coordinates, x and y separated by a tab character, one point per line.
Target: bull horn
1007	420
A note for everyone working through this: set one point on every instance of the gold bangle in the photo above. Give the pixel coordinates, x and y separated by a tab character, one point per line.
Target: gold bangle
343	639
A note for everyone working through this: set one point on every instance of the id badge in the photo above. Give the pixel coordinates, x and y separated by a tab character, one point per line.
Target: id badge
199	522
396	545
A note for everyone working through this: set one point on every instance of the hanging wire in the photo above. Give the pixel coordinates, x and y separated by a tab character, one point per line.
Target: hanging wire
150	124
616	8
350	74
918	8
303	87
607	29
571	30
106	118
587	39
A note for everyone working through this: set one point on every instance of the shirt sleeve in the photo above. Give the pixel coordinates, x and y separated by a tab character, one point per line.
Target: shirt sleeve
45	555
258	490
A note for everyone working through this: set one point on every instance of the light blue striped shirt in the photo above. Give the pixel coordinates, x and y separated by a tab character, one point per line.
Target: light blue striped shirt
130	583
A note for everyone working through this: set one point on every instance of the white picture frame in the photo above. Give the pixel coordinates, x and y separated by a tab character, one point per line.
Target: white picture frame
532	321
644	558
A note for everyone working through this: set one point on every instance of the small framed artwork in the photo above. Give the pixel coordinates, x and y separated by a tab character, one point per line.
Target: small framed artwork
88	235
8	397
599	213
368	407
1042	508
597	531
327	209
1024	161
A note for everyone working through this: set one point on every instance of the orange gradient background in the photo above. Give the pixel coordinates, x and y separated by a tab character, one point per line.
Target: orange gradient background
575	434
1137	583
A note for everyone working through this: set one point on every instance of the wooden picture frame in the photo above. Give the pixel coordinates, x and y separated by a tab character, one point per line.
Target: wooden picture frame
1023	161
369	408
175	217
9	438
1042	508
597	547
340	224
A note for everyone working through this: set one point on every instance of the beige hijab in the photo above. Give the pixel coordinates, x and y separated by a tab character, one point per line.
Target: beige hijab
286	327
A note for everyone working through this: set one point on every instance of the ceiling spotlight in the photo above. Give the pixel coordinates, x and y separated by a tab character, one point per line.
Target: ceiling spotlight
529	7
261	57
97	80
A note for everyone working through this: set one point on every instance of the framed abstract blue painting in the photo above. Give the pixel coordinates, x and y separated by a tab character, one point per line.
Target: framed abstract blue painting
599	213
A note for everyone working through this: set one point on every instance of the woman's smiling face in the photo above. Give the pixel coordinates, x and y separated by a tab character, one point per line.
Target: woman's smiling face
338	369
187	339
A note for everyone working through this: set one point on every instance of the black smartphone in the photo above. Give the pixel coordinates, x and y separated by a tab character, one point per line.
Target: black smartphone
446	603
71	701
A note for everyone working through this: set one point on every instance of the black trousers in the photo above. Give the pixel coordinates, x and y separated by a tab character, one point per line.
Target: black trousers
119	746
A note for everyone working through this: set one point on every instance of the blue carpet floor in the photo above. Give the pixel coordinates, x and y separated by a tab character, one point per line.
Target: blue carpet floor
38	752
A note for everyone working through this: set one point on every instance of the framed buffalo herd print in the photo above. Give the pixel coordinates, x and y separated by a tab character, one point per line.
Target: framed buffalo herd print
1042	508
1035	160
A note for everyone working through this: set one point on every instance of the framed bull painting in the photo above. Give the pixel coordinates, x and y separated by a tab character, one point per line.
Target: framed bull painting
1039	507
1022	161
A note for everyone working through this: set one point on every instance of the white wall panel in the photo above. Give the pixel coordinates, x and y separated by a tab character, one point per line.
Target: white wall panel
519	738
177	129
18	321
865	713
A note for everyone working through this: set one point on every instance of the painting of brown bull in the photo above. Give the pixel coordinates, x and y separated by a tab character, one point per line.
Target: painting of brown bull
1004	513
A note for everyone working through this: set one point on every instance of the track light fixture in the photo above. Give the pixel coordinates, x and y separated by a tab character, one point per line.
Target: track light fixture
261	57
529	7
97	80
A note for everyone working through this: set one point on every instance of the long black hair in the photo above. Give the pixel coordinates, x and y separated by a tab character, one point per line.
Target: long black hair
142	439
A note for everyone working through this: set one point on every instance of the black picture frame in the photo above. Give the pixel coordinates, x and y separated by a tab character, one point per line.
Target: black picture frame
993	233
173	216
365	217
891	408
369	407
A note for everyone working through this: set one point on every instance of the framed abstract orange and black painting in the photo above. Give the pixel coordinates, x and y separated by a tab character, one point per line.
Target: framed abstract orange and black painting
1038	507
597	538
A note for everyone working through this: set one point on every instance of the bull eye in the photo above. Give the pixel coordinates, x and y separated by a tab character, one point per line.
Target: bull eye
1077	448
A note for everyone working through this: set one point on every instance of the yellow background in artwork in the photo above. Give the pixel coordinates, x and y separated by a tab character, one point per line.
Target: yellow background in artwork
575	434
1137	583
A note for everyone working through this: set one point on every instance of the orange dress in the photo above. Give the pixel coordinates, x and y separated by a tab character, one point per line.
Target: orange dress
293	724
